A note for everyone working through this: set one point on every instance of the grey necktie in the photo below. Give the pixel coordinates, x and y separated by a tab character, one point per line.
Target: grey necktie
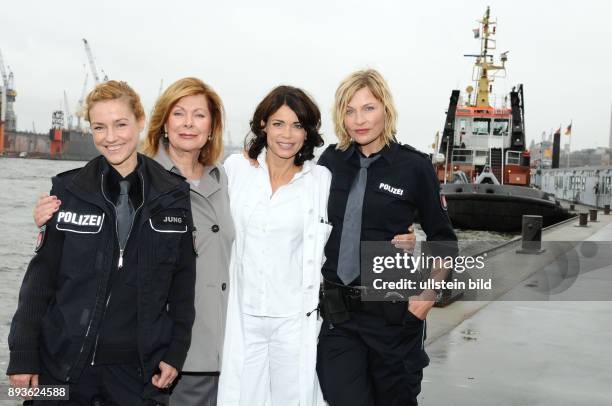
349	256
125	211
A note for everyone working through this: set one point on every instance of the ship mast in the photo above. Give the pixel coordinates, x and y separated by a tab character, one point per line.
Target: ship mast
485	65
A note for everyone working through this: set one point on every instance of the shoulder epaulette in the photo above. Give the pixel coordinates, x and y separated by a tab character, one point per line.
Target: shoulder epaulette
413	149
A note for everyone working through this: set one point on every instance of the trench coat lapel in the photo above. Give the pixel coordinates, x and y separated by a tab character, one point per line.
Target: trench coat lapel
209	183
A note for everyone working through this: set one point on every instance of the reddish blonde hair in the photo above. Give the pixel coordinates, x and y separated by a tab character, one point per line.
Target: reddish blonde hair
212	151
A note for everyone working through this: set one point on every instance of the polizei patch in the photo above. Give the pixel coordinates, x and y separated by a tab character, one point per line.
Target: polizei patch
75	222
390	189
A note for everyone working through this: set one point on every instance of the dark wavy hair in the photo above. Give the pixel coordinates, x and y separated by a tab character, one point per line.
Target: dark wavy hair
304	108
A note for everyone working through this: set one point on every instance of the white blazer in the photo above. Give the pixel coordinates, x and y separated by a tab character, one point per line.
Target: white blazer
316	232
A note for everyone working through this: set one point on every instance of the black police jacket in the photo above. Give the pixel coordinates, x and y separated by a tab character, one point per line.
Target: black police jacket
63	294
401	188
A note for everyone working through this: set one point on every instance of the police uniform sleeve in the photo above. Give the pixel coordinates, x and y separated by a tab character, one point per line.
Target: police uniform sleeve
433	216
181	299
37	290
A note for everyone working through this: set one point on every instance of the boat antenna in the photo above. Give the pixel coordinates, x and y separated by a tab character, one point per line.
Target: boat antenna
485	67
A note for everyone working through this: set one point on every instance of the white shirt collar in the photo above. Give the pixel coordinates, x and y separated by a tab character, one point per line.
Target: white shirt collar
306	167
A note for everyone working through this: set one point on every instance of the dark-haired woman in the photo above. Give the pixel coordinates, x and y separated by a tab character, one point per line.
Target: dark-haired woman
280	216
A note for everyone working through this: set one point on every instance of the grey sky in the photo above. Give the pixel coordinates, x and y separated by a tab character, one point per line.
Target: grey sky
560	50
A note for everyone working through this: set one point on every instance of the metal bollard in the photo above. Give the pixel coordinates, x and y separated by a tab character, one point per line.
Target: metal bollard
592	214
572	207
584	218
607	209
531	235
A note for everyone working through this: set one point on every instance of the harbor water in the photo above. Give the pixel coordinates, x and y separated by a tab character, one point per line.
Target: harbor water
21	182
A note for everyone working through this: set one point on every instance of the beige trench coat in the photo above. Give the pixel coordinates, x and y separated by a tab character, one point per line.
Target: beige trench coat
213	241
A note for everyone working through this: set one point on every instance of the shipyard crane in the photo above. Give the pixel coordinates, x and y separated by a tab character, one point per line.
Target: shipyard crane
11	78
79	111
10	94
92	64
3	72
7	81
67	112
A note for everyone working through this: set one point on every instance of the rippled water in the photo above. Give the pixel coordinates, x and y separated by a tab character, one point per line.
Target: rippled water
21	182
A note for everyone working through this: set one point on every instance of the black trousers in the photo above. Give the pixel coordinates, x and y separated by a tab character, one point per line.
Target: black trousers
366	361
107	385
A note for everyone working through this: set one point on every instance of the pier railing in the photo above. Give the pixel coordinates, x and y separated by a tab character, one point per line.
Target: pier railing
481	157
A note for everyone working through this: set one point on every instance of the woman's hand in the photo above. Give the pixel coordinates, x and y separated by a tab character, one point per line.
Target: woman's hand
165	379
24	380
420	305
45	207
253	162
405	241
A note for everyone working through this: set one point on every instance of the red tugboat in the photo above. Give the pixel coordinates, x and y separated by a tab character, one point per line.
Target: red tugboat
482	162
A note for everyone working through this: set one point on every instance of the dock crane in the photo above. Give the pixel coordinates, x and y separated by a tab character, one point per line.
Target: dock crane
92	64
80	106
7	79
67	112
3	72
10	94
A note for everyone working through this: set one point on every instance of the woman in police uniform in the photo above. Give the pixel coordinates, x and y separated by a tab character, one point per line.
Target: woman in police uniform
185	136
367	353
106	304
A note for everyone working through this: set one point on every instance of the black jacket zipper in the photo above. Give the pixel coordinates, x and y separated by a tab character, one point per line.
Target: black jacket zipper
120	262
121	251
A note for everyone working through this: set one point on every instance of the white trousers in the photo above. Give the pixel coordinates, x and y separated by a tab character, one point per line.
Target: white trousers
271	361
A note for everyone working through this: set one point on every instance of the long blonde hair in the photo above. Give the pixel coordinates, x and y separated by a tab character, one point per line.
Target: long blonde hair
212	151
356	81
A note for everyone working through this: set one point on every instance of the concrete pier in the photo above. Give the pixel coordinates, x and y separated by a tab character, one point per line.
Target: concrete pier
514	351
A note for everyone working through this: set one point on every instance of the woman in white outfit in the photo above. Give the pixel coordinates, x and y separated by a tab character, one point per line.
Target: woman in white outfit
280	216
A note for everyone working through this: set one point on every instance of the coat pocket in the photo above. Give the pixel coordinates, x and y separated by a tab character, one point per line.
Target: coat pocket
168	228
324	231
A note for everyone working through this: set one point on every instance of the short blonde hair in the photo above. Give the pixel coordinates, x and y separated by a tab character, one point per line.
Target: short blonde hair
212	151
113	90
356	81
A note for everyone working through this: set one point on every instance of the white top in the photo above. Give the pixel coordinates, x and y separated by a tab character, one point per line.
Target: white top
244	183
272	256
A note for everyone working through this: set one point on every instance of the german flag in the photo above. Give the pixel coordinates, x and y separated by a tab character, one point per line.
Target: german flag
568	130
